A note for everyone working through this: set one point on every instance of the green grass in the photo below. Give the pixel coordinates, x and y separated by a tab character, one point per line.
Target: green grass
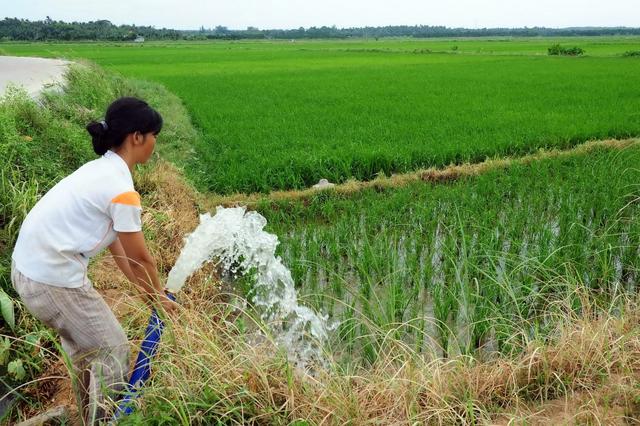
483	259
278	115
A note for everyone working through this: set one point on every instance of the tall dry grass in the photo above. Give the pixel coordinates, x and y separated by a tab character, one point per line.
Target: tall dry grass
210	370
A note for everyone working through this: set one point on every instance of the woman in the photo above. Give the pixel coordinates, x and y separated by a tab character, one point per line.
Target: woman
93	208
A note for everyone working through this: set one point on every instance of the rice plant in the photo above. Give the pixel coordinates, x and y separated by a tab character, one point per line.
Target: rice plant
470	260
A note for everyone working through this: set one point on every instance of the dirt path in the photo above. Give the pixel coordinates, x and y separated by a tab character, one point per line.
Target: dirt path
33	74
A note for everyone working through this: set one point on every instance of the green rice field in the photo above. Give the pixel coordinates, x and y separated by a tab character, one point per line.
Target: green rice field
282	115
512	270
484	257
453	267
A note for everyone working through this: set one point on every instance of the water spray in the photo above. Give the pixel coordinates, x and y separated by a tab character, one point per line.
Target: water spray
237	240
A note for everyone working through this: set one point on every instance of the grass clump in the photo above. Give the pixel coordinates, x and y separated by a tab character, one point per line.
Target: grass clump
558	50
631	53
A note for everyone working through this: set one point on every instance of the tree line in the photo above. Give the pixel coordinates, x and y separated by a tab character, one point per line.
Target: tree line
418	31
48	29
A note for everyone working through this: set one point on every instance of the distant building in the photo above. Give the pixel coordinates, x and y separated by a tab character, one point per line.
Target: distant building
139	39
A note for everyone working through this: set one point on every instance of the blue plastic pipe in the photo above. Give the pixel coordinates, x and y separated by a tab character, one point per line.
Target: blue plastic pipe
142	368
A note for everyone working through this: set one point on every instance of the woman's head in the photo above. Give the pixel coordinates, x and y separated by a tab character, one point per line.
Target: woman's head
128	121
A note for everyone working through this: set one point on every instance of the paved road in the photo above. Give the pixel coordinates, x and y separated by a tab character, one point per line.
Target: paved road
32	73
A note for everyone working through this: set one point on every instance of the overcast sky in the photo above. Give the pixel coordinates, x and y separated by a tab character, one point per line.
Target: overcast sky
238	14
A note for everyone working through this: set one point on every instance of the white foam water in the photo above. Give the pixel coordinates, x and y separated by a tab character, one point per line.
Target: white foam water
237	240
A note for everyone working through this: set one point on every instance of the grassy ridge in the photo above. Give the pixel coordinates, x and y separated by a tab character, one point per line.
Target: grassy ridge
484	256
211	373
283	115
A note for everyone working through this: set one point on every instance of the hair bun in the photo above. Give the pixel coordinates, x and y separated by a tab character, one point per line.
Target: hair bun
97	132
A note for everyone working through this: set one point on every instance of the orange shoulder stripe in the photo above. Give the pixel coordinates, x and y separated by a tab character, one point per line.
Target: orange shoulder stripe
131	198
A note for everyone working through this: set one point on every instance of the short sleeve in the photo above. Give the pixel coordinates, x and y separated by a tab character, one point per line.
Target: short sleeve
125	210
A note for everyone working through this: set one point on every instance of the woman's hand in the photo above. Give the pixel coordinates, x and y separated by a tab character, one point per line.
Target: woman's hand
169	306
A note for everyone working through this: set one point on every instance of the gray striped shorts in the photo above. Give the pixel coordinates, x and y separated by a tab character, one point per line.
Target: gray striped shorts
90	335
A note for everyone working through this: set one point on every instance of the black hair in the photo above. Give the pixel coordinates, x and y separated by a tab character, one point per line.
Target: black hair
125	115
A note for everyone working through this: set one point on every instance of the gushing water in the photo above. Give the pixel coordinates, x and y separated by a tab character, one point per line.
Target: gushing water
236	239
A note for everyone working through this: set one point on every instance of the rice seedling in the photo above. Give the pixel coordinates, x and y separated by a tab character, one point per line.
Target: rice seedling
472	258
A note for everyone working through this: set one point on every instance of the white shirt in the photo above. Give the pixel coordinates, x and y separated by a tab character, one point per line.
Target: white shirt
76	219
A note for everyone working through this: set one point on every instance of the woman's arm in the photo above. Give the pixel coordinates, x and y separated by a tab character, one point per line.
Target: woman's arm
144	269
121	260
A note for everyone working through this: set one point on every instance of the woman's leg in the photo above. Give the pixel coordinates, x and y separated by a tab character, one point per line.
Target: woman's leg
90	334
